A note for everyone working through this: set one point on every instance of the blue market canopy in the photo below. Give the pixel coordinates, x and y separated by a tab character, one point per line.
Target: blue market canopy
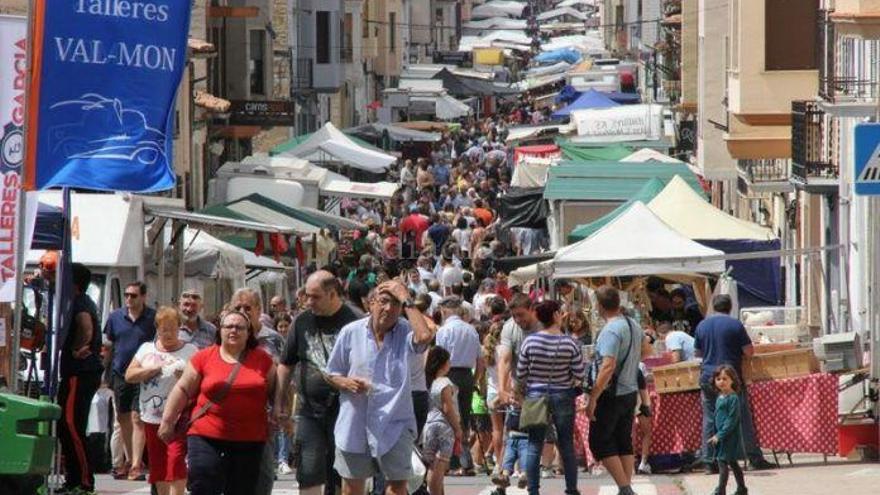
569	55
624	98
588	99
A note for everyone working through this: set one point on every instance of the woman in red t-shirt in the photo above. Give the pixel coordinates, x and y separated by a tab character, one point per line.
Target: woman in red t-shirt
225	445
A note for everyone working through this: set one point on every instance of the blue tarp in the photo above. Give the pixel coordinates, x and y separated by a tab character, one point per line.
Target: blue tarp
588	99
567	95
569	55
759	282
624	98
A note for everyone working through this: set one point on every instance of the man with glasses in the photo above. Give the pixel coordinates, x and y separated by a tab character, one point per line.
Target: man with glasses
126	329
195	329
369	365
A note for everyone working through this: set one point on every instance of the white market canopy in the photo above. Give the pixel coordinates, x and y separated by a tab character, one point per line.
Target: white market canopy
496	23
563	13
445	106
573	3
636	243
498	8
684	210
648	155
346	189
330	144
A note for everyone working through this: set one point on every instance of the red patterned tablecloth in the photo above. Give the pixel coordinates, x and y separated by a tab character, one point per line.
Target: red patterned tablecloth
794	415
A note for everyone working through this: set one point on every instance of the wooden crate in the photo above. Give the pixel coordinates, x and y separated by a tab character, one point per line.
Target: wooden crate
775	347
678	377
779	365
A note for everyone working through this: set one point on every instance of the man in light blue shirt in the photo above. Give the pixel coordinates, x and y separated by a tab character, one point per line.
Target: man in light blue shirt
613	398
681	345
463	343
369	364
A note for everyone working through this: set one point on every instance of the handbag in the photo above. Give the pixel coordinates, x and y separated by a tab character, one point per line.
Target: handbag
593	372
535	412
187	417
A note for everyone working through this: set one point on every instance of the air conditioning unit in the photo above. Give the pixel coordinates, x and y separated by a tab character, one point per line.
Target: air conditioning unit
839	351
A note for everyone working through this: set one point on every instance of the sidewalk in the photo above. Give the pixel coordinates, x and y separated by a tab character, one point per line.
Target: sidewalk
808	475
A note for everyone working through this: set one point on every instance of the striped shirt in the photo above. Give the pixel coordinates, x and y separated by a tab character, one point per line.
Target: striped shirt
550	360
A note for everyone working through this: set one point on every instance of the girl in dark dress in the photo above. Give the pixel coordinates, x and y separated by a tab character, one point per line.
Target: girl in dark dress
727	439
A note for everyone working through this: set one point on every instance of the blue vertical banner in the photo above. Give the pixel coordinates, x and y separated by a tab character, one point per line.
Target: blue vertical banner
104	78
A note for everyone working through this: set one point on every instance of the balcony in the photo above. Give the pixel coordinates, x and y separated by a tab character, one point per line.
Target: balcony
813	147
848	72
302	79
766	175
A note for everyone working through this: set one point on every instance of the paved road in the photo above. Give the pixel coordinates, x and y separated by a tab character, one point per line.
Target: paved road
479	485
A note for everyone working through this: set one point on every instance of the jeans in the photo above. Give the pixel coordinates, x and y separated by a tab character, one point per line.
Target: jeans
220	466
282	446
562	414
516	449
750	444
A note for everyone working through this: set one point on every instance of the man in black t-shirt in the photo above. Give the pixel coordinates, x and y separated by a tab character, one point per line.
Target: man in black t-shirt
308	348
80	369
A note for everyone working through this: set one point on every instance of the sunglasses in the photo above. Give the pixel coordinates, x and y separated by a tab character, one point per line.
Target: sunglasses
132	295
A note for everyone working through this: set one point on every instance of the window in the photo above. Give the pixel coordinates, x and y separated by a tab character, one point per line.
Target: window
322	37
790	34
347	35
257	62
392	31
438	15
365	19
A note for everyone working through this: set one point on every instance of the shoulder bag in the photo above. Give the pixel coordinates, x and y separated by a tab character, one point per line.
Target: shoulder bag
535	410
188	417
593	373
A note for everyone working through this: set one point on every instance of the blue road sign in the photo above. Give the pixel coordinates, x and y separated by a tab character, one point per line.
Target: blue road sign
867	174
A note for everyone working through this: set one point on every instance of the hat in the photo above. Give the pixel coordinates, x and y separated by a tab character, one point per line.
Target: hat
452	302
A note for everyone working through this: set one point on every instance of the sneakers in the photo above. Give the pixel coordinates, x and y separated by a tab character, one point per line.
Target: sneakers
283	468
500	480
644	468
522	481
546	473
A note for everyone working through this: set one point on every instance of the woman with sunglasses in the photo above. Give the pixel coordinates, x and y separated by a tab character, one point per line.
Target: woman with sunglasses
229	426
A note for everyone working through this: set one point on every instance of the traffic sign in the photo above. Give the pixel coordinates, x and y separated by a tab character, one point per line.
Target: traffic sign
867	151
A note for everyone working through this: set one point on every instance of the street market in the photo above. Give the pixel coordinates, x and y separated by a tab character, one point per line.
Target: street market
479	247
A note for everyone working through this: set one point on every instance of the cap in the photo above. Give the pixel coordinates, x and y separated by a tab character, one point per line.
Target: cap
451	302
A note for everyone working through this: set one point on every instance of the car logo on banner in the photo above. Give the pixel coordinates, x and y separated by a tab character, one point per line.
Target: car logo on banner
103	87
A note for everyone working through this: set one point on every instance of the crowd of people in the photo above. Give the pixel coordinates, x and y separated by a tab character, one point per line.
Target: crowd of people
411	339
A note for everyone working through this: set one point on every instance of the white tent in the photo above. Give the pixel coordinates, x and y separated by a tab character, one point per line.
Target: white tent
647	155
586	43
636	243
684	210
543	70
563	13
498	8
445	106
347	189
330	144
496	23
576	3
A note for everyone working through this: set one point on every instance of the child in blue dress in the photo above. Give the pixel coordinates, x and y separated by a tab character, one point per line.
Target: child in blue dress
727	438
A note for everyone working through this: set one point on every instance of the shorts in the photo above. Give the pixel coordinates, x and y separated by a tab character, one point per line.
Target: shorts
313	449
611	432
395	465
167	461
438	441
126	396
481	423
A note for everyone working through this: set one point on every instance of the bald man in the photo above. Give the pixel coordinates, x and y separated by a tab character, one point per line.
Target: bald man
309	344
